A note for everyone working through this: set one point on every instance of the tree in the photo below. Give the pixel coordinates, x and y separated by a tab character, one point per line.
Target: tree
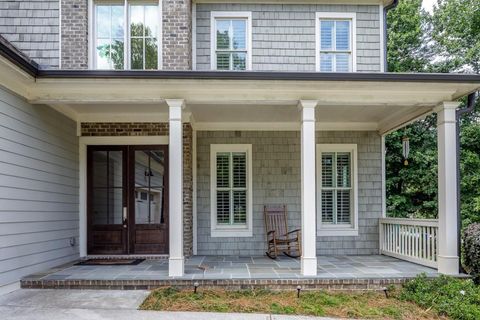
456	32
407	37
447	41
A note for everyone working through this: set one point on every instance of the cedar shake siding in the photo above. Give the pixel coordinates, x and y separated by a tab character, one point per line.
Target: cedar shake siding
39	188
276	180
283	35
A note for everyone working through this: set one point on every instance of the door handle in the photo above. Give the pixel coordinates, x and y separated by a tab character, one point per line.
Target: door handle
125	216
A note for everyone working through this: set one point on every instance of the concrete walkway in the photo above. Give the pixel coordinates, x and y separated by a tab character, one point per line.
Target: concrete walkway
41	304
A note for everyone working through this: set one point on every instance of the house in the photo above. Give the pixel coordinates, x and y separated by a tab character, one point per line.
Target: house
162	128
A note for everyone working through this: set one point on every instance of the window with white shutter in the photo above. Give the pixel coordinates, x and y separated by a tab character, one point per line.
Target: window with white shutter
336	194
335	33
231	190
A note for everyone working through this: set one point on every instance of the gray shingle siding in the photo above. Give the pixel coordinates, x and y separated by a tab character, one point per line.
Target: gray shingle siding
276	180
283	35
33	27
38	188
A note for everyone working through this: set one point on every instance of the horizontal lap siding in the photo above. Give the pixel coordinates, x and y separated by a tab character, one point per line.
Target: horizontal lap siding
38	188
283	36
276	180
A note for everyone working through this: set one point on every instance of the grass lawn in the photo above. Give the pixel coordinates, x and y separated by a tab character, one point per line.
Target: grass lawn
366	305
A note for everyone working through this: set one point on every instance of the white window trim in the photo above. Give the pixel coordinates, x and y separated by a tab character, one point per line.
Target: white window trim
230	231
213	35
337	230
92	18
336	15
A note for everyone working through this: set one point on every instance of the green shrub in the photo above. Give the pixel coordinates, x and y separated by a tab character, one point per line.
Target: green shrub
471	250
455	298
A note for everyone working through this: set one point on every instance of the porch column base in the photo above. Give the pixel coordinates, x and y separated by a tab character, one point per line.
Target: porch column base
309	266
448	265
176	267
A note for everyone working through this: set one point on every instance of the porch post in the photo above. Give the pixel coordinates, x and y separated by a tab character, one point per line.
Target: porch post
309	254
447	188
175	196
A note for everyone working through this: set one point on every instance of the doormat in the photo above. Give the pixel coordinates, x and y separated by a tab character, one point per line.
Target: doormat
110	262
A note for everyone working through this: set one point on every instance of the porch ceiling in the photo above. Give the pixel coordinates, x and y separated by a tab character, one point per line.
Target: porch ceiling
240	100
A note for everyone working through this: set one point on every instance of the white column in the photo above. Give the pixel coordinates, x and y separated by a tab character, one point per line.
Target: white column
309	254
447	188
175	192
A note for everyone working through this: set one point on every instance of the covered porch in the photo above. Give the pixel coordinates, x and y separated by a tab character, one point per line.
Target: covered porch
308	109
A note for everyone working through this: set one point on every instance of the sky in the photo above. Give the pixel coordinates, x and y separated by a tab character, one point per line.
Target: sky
428	4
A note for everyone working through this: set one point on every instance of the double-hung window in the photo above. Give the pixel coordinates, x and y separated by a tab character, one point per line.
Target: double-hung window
125	35
337	189
335	39
231	190
230	40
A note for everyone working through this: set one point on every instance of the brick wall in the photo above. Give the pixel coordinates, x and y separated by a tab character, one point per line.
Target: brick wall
276	180
74	34
156	129
177	31
32	27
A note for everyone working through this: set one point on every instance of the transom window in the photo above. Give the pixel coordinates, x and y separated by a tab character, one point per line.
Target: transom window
335	43
231	190
125	35
230	41
336	187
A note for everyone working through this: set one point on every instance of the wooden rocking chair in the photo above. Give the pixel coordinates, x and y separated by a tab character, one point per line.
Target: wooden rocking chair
278	236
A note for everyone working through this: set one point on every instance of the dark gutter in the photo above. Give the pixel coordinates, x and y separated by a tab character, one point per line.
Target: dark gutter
12	54
392	5
471	100
258	75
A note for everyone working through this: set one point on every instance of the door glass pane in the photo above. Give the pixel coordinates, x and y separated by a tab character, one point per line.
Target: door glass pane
107	187
115	203
149	186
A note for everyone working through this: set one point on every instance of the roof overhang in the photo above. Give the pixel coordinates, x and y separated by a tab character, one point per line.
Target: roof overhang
373	101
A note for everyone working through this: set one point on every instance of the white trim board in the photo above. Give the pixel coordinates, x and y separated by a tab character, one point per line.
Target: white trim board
284	126
83	142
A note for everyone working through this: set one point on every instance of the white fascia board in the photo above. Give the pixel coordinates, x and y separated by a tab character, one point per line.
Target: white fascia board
284	126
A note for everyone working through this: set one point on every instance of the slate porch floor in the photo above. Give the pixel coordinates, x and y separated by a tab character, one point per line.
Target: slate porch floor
239	267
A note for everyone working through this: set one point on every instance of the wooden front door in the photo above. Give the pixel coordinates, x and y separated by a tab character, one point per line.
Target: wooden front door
127	199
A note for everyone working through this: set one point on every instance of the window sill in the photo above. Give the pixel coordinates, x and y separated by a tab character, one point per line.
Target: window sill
332	232
230	233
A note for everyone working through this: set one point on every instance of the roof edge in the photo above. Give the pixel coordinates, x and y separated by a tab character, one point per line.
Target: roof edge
259	75
11	53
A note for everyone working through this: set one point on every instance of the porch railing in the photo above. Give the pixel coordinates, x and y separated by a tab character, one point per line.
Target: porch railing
414	240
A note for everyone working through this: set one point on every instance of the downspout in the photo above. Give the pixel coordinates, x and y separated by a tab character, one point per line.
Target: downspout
392	5
471	100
